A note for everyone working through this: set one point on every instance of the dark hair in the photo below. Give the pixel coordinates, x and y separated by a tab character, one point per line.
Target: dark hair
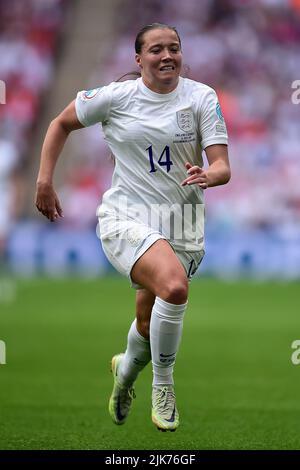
140	36
133	76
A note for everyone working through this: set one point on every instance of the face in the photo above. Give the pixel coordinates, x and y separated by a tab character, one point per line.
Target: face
160	60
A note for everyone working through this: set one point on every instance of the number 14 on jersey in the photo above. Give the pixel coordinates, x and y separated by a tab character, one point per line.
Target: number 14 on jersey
164	159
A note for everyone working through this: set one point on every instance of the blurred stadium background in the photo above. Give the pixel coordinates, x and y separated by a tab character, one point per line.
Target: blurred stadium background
248	50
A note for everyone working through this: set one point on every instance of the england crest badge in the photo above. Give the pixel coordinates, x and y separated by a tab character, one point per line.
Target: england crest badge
185	120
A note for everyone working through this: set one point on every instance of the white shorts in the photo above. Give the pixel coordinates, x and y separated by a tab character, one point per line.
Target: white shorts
125	241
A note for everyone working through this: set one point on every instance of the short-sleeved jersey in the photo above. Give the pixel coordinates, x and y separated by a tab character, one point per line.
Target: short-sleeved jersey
152	136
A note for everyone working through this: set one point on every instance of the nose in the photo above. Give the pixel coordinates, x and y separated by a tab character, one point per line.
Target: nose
166	54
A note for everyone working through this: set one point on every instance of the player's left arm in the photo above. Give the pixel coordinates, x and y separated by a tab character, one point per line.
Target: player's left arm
218	171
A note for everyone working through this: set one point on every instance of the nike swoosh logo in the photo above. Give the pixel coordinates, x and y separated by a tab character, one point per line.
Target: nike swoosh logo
167	355
172	419
138	362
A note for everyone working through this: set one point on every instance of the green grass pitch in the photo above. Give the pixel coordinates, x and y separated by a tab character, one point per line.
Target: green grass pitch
235	383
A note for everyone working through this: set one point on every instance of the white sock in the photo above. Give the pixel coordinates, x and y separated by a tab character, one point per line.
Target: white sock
165	335
137	356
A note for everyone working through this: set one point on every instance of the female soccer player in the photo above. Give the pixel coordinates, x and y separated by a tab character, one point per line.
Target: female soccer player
151	220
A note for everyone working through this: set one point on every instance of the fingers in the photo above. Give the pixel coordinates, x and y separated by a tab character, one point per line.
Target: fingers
196	176
195	179
200	180
49	213
43	207
203	185
193	169
58	208
49	206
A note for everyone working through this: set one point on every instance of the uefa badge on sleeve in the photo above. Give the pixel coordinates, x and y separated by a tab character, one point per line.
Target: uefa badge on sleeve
90	94
219	112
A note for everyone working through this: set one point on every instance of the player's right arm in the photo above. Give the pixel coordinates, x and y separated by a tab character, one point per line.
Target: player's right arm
47	201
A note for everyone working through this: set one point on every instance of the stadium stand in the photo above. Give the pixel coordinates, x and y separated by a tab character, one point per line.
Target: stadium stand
247	51
29	33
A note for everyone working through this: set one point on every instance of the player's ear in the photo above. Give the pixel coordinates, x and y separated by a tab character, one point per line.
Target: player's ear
138	60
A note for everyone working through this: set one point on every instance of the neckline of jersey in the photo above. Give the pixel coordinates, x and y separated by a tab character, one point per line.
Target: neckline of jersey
159	96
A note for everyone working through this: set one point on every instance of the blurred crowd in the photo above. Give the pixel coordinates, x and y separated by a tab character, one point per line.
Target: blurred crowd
29	32
247	50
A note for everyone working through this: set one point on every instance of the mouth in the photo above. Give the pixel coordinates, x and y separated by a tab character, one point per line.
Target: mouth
167	68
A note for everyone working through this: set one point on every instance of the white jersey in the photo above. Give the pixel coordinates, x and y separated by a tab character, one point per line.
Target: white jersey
152	136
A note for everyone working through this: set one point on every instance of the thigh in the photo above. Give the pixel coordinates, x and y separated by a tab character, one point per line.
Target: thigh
158	266
124	241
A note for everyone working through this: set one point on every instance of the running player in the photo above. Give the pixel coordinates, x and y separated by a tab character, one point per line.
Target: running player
151	221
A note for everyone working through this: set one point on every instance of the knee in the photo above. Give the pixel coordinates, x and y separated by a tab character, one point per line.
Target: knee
175	291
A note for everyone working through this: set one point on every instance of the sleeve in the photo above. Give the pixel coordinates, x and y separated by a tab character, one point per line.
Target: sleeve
93	106
211	121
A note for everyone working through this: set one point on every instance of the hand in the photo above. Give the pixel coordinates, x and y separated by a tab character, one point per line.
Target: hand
47	202
196	176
